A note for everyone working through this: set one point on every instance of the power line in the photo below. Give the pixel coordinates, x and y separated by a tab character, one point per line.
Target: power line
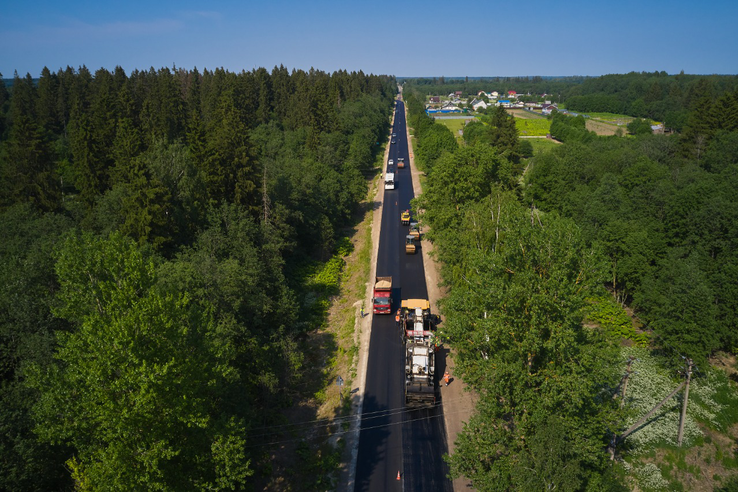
339	433
366	416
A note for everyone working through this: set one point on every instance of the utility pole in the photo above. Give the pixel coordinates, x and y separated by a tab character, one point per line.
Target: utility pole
628	372
617	439
680	434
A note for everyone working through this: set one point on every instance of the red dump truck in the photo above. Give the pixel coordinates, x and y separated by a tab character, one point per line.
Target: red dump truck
382	295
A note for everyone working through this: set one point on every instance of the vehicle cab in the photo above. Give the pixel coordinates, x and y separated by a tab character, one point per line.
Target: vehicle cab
410	244
405	217
389	181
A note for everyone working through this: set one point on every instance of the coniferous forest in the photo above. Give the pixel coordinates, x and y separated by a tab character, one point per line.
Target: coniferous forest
155	227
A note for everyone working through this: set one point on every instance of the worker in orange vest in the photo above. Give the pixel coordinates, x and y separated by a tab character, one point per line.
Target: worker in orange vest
397	318
446	377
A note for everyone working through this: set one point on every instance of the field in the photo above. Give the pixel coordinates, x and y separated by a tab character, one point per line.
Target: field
455	124
604	128
532	127
525	115
615	119
608	123
528	126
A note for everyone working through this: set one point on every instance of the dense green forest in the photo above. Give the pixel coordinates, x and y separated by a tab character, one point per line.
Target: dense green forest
158	228
665	211
649	221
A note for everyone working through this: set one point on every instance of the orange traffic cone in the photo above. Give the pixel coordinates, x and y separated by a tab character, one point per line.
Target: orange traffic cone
398	474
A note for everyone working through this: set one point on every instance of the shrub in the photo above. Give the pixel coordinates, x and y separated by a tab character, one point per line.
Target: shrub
607	313
649	477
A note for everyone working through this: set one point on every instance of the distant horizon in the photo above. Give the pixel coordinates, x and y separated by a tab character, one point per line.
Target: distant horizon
446	77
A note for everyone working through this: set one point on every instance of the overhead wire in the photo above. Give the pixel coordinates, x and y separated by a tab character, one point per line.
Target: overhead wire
339	433
366	416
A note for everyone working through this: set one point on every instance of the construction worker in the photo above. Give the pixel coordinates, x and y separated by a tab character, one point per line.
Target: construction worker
446	377
397	318
362	310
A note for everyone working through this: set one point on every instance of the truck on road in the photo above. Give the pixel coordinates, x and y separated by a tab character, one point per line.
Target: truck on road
400	163
416	318
389	181
417	325
382	299
420	374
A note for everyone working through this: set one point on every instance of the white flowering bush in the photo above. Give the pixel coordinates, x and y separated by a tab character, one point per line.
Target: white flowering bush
648	385
702	392
649	477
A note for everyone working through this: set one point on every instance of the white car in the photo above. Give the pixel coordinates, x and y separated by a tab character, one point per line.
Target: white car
390	162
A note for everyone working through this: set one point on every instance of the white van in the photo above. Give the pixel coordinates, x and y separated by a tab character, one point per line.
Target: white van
389	181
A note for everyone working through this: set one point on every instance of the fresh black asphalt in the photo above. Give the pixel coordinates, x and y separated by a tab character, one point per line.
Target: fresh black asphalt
392	439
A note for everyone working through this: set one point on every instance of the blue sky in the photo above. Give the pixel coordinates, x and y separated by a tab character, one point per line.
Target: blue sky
404	38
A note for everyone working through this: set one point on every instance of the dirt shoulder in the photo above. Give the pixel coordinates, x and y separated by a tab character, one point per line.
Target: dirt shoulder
458	403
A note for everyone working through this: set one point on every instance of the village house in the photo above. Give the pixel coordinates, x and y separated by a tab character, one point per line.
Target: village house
450	106
478	103
546	109
435	99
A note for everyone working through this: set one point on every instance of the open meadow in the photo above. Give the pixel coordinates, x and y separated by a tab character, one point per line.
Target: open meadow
456	124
